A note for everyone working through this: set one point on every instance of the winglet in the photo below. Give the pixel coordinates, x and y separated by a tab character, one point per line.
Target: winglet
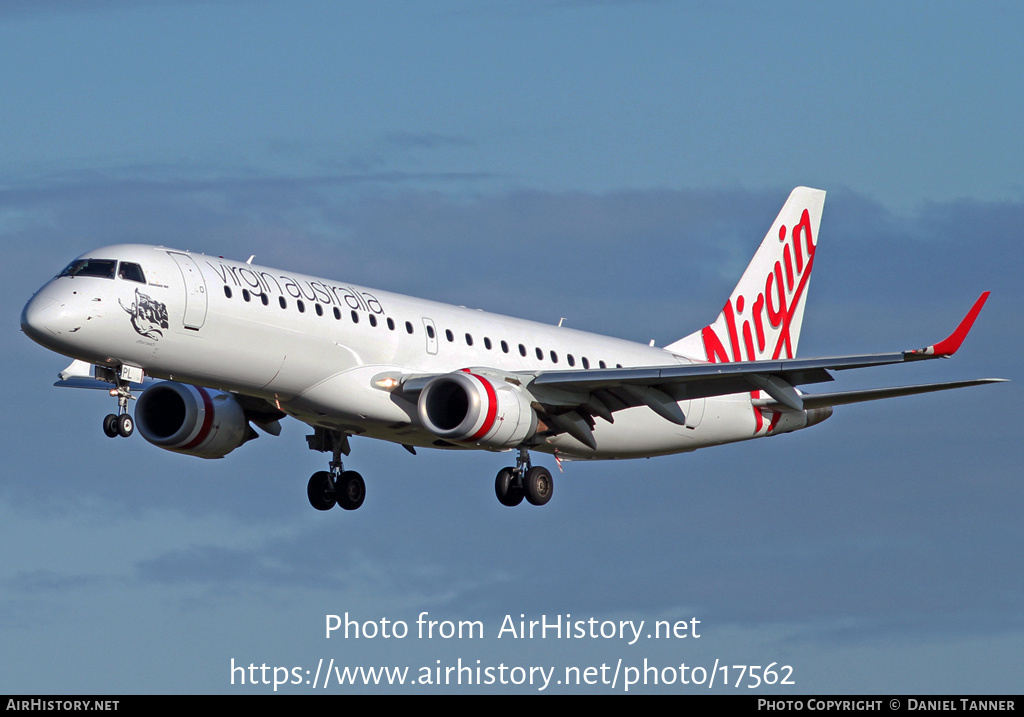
949	345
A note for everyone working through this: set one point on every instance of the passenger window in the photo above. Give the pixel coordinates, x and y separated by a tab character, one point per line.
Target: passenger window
487	343
131	272
373	320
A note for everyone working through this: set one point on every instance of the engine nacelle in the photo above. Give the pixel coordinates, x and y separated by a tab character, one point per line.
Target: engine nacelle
190	419
471	408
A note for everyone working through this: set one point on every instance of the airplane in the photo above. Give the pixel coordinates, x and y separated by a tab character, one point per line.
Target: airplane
211	347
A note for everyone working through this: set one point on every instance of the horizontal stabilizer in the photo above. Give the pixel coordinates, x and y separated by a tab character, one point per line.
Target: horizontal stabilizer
821	400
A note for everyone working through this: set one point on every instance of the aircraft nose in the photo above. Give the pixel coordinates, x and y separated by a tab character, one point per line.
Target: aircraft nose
42	317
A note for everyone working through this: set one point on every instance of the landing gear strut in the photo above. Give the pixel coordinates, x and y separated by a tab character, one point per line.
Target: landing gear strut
120	423
524	481
336	486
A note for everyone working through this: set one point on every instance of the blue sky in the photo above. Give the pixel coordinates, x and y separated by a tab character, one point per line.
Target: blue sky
615	163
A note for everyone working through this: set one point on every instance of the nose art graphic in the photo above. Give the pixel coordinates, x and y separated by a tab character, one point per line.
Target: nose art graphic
149	316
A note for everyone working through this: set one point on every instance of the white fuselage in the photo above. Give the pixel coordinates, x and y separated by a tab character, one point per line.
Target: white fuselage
315	347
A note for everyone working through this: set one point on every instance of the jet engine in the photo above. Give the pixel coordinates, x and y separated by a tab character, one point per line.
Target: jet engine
192	420
470	408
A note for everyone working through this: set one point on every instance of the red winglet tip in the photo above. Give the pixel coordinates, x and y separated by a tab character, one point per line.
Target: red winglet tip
950	345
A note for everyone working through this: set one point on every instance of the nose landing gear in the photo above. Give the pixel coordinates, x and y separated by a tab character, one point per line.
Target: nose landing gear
115	425
120	423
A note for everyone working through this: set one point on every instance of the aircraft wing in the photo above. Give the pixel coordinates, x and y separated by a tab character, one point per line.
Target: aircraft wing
81	374
572	398
661	386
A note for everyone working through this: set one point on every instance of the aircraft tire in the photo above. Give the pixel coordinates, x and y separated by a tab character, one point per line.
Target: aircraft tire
125	425
538	485
351	490
509	494
320	497
110	425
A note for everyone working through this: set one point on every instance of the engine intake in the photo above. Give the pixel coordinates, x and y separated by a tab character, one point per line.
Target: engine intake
190	419
470	408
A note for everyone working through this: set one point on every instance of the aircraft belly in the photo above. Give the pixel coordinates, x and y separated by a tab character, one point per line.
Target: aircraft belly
300	369
639	432
351	397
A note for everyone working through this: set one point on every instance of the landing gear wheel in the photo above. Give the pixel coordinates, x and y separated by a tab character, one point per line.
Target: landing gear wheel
110	425
125	425
509	494
538	485
351	490
319	491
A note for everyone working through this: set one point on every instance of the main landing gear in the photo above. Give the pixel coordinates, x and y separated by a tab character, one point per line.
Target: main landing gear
524	481
120	423
336	486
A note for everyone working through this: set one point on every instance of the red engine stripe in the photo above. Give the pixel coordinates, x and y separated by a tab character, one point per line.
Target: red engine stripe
492	408
204	432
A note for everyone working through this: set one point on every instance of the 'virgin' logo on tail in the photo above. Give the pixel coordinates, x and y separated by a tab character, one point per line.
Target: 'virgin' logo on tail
768	318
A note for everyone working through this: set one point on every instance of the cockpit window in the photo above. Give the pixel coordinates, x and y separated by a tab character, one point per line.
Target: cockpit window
103	268
131	272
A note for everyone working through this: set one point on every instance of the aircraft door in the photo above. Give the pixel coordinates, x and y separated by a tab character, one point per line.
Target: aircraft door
431	334
195	291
